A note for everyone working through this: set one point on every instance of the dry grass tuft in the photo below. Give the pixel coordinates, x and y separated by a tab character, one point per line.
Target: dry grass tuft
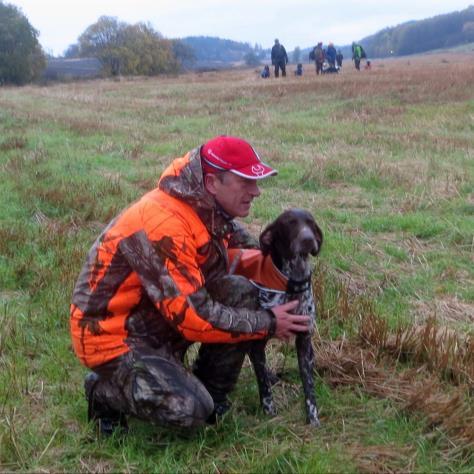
347	305
449	415
345	363
443	351
383	459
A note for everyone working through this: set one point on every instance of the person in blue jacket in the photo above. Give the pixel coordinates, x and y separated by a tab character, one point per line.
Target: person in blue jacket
331	55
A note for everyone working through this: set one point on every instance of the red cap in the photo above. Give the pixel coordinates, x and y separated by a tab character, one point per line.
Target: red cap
235	155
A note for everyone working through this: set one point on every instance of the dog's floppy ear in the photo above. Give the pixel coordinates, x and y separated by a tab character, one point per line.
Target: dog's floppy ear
266	239
318	234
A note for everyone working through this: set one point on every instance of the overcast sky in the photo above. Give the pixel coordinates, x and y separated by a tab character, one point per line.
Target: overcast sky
295	22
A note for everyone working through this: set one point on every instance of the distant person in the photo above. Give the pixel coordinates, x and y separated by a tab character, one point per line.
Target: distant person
357	54
265	72
331	55
339	58
319	57
279	58
299	70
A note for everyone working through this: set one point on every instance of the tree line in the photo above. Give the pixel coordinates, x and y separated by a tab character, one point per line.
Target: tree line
21	56
122	48
413	37
138	49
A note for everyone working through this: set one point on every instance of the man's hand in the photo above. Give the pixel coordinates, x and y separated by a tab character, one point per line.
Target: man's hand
288	324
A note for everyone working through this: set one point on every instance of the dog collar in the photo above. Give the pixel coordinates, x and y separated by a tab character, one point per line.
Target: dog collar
298	286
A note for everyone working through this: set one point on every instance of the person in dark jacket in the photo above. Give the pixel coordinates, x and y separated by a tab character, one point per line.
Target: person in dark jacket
331	55
319	57
279	58
141	298
339	58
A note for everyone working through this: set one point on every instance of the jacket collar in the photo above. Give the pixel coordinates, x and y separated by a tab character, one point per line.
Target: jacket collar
188	186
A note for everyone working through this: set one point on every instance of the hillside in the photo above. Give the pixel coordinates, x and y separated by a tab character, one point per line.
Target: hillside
441	31
450	30
216	52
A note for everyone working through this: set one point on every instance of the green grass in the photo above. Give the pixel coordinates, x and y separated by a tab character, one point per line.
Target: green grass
383	160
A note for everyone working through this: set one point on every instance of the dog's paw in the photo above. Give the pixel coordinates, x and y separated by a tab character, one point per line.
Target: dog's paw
268	406
312	414
314	422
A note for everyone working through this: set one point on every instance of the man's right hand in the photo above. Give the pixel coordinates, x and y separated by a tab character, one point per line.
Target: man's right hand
288	324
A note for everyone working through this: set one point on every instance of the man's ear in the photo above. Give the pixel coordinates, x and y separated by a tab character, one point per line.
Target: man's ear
209	183
266	240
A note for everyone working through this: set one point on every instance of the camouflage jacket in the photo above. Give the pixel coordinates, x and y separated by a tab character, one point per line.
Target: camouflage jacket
144	278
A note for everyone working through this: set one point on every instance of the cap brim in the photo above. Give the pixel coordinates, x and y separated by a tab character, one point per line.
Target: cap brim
257	171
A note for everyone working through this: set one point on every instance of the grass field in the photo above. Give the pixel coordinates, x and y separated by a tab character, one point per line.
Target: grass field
384	160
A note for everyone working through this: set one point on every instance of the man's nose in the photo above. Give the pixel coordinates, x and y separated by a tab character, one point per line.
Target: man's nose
254	189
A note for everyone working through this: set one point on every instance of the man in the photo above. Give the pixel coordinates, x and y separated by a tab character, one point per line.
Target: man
141	298
357	54
319	58
279	58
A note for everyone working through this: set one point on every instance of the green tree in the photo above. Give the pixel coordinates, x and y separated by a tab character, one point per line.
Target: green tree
128	49
184	53
251	59
21	57
297	55
103	40
259	52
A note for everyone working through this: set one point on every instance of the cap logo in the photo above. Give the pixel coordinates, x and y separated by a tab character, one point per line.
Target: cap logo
218	158
258	170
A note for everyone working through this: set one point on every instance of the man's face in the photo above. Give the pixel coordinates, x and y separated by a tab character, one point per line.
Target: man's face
234	193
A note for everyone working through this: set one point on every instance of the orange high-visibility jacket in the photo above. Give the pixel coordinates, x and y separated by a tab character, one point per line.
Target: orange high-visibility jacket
143	281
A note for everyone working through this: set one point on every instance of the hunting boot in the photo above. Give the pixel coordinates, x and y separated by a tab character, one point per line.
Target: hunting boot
107	419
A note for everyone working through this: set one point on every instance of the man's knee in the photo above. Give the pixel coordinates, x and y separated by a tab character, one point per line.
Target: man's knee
177	401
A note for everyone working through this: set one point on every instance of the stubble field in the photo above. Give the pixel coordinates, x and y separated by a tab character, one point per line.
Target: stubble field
383	159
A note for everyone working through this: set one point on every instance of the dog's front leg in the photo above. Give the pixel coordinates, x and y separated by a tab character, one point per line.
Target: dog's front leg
258	359
305	352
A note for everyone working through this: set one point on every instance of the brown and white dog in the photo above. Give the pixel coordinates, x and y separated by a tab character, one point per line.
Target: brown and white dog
286	245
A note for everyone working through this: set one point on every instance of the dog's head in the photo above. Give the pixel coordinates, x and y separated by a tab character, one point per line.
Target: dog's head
290	239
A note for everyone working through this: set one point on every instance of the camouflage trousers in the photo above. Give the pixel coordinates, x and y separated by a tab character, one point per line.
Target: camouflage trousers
154	386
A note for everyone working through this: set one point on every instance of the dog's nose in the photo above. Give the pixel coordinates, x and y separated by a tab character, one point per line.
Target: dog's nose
309	245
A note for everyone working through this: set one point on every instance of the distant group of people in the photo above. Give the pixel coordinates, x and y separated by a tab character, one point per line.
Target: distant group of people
326	60
326	56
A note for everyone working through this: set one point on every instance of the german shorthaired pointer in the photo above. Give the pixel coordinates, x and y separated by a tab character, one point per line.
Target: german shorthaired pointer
286	245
